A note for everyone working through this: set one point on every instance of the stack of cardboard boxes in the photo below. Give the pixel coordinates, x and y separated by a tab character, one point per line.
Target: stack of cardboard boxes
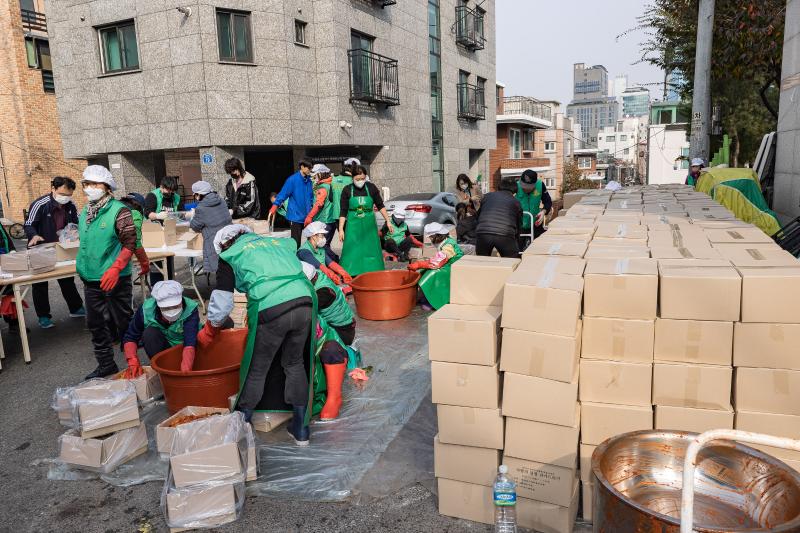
239	312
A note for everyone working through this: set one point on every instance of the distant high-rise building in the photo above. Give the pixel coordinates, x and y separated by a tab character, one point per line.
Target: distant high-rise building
674	82
589	83
635	102
620	85
591	106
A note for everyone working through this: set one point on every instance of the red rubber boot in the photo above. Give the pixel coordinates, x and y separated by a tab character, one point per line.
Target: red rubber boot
334	375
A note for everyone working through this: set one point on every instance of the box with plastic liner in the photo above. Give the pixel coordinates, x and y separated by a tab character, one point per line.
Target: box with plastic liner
165	431
262	421
148	385
212	449
202	506
62	407
101	406
103	454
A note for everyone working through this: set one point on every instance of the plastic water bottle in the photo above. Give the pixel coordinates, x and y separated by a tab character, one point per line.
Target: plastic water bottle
505	502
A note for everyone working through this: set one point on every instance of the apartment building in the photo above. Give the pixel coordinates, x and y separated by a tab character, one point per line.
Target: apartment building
176	88
668	144
591	105
30	138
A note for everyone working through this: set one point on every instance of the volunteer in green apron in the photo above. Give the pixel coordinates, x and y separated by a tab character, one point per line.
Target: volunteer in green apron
361	251
107	243
338	184
332	304
400	241
281	316
435	280
164	320
322	211
162	200
316	252
694	172
534	199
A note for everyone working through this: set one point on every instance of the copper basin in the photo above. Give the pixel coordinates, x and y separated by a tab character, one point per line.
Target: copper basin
638	478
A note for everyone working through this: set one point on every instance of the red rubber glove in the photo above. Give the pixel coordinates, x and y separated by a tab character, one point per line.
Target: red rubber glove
134	367
144	261
206	335
273	209
336	267
187	358
111	277
309	219
420	265
331	274
417	243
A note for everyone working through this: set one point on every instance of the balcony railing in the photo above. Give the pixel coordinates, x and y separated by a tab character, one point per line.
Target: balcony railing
33	21
471	102
469	28
384	3
523	105
373	78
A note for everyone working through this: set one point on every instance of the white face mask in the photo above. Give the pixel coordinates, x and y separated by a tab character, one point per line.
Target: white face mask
171	315
321	242
62	198
94	194
464	186
359	183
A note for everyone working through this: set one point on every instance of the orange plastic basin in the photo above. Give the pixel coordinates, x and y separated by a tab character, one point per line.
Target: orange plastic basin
386	294
215	376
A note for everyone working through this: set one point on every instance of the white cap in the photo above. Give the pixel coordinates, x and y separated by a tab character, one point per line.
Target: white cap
352	161
503	469
434	228
400	214
227	233
697	162
315	228
201	187
319	168
99	174
308	270
168	293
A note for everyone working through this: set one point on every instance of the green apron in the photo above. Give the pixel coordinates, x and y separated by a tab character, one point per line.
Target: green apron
399	234
362	245
174	332
337	186
531	202
339	312
325	215
435	284
691	181
100	245
176	200
318	253
138	219
268	271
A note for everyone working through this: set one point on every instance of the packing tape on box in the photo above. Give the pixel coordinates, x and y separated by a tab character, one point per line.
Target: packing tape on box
616	372
677	239
694	331
685	253
692	387
621	267
624	204
459	326
735	235
540	300
622	230
756	254
675	227
776	333
536	361
780	380
663	219
551	264
469	416
462	376
548	273
554	249
618	345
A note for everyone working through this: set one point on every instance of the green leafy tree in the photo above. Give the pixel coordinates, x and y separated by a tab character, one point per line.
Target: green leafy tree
573	179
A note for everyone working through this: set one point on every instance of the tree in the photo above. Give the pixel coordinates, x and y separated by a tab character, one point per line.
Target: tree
573	179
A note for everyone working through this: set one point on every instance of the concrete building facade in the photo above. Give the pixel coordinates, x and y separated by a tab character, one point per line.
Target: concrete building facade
786	197
169	87
591	106
668	144
30	137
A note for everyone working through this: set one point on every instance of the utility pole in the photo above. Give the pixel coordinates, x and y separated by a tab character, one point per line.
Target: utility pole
701	100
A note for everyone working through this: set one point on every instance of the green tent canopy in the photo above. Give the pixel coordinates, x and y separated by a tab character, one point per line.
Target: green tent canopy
739	190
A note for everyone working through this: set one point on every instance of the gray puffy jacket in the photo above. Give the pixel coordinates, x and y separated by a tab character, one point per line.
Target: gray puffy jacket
210	216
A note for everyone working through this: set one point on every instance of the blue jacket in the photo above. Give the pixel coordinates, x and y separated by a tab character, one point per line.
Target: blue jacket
300	192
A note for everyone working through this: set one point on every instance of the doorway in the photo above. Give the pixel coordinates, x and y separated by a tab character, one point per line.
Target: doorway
270	169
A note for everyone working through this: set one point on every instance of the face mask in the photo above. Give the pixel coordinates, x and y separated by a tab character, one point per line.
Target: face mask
171	315
94	194
321	242
464	187
397	222
62	199
359	183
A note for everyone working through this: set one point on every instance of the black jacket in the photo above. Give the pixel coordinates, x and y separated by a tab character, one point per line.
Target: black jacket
500	214
40	218
465	230
243	201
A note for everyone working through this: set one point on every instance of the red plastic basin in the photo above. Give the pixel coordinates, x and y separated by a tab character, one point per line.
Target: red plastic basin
386	294
215	376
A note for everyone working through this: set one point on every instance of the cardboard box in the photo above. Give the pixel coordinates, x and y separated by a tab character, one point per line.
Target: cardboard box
555	238
766	390
542	400
738	235
466	500
542	482
204	506
544	302
266	422
103	453
465	385
618	339
465	463
615	382
587	494
696	252
677	239
545	443
42	258
693	341
546	517
616	252
214	463
771	295
766	345
757	256
563	265
586	452
476	280
194	241
621	231
159	235
67	251
699	292
165	435
562	248
464	334
573	197
689	385
601	421
541	355
470	426
148	385
691	419
784	426
104	407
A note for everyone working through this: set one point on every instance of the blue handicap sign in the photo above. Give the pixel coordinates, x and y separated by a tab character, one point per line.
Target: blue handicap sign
208	159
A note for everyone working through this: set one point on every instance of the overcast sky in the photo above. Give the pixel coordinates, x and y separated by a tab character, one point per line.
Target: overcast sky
538	41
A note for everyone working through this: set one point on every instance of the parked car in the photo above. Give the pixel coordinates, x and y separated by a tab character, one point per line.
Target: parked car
423	208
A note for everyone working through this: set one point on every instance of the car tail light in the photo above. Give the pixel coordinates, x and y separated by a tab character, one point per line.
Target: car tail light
419	208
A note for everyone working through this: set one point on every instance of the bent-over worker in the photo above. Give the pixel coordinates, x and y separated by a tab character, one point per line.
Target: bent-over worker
332	305
399	241
435	280
316	252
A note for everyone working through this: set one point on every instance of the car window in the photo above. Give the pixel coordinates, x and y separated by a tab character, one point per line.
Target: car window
449	199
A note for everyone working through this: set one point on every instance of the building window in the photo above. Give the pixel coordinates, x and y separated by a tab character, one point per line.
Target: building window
551	183
584	162
300	32
118	47
623	138
665	116
234	36
527	141
38	55
514	144
626	151
685	159
549	147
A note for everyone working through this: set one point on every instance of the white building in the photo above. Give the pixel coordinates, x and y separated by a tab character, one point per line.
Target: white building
668	150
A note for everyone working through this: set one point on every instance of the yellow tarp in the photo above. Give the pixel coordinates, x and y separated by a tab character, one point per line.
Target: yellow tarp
739	190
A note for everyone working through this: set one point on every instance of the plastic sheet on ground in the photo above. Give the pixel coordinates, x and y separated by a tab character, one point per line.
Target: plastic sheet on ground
341	452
